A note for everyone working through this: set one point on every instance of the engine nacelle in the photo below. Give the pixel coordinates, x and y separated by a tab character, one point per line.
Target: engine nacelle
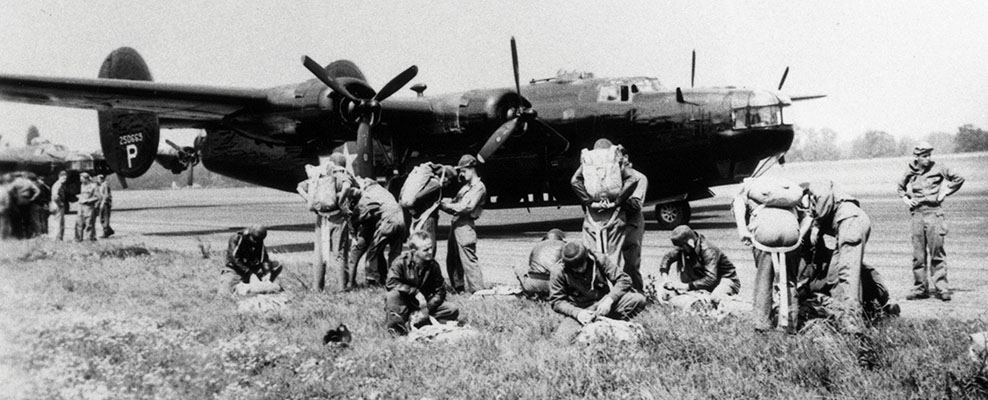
489	106
129	139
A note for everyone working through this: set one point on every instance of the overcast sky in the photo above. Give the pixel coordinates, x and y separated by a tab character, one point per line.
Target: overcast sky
905	67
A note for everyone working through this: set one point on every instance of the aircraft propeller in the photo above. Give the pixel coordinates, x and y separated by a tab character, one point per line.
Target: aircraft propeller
188	157
366	106
783	81
525	115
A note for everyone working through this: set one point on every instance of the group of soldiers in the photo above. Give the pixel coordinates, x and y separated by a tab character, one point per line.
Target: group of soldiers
598	277
27	204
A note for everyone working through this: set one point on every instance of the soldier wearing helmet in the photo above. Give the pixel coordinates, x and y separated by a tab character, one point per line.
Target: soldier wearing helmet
246	256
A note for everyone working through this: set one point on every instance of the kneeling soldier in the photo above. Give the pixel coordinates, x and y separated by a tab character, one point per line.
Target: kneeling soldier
246	256
587	287
545	257
702	266
416	289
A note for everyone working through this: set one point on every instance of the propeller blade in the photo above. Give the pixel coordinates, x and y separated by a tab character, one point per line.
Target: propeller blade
362	166
496	140
320	73
188	182
784	75
122	180
174	146
555	133
693	69
397	83
514	65
807	97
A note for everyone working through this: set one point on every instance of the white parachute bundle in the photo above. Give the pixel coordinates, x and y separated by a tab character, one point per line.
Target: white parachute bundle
773	223
602	172
437	332
611	330
416	181
323	194
774	192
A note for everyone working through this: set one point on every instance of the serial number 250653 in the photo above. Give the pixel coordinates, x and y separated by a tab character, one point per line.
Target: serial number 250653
131	138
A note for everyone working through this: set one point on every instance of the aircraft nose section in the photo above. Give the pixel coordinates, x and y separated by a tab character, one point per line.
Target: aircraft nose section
754	142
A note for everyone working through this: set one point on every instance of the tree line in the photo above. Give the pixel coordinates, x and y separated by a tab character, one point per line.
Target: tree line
820	145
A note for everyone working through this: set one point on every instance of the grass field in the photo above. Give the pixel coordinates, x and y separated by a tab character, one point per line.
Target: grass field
136	316
112	321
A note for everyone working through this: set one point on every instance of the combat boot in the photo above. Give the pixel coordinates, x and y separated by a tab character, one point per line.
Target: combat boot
918	295
943	295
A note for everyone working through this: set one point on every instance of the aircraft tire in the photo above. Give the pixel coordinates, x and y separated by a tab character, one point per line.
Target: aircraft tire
671	215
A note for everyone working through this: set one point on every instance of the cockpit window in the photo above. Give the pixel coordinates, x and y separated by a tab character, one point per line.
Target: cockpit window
757	117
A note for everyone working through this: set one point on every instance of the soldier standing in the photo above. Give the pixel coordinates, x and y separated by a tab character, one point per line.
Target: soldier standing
85	225
462	264
104	205
39	208
621	222
923	188
60	204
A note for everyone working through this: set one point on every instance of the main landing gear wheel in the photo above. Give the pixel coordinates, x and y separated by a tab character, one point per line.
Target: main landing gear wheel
671	215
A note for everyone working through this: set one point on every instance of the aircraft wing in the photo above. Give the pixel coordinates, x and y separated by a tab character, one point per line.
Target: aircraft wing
177	106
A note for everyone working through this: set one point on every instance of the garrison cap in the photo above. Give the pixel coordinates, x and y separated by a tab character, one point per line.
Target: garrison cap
467	161
922	148
682	234
573	253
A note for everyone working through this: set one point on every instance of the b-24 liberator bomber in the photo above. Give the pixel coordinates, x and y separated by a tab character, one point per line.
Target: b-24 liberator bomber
685	140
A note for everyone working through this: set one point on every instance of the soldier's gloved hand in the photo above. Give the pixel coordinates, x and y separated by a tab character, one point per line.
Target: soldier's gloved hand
909	202
604	306
585	317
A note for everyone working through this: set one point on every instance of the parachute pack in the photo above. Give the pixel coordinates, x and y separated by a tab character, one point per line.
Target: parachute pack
602	172
417	179
772	192
773	223
323	191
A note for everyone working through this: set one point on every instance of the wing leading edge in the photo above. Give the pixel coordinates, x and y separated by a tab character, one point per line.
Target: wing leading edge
177	106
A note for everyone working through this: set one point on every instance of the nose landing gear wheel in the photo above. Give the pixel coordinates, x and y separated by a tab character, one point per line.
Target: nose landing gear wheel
671	215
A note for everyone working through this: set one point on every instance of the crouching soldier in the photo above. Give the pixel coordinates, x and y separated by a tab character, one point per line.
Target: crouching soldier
545	257
854	285
246	256
416	288
588	287
378	224
702	266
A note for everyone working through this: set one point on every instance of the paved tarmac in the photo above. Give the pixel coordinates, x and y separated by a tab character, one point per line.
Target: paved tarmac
185	219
